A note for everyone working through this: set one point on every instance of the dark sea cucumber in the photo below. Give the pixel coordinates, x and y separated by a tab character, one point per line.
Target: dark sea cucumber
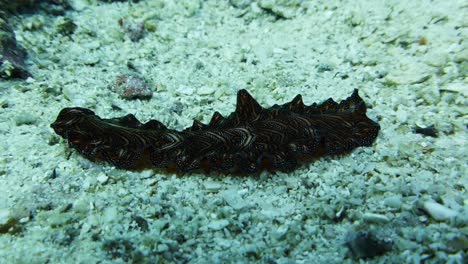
249	140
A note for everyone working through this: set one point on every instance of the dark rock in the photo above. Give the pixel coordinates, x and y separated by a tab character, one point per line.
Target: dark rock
429	131
141	223
11	54
365	245
11	226
66	26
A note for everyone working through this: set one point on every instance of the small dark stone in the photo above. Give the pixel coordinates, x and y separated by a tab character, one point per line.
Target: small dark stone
141	223
343	76
341	214
95	237
66	27
177	108
12	226
429	131
116	107
66	208
53	174
180	238
381	74
365	245
322	67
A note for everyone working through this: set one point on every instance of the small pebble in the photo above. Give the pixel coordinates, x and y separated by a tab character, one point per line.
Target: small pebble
134	31
205	90
110	214
4	216
24	118
394	201
212	186
233	199
278	190
102	178
218	224
162	247
375	218
81	205
439	212
240	3
185	90
281	232
131	86
456	87
409	74
322	67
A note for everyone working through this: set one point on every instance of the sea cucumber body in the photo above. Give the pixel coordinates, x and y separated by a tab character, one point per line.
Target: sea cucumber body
249	140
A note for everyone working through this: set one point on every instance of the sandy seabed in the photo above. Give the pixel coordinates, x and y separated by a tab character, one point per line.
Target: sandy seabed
402	200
